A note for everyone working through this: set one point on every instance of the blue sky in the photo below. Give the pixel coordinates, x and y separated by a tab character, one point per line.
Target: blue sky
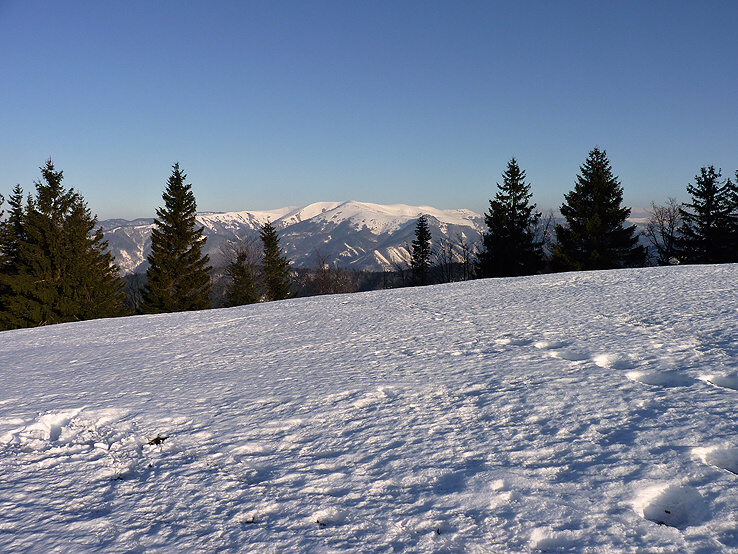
268	104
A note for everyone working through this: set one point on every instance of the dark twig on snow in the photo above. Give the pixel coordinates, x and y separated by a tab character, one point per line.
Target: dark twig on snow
158	439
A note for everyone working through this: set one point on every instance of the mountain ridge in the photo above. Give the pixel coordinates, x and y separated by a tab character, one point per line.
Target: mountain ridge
351	234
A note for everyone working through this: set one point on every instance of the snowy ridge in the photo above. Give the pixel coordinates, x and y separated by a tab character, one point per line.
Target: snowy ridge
350	234
577	412
297	215
254	219
381	219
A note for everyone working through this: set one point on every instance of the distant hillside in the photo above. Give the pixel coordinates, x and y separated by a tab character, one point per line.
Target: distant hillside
351	234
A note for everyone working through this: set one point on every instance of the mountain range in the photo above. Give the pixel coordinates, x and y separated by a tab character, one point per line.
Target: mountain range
356	235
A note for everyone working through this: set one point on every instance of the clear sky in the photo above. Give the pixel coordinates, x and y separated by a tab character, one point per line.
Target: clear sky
269	104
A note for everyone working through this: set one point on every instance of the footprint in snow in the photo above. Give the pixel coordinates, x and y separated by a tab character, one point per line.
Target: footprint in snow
551	345
729	381
64	427
725	458
674	505
513	341
613	361
380	394
562	350
661	378
570	354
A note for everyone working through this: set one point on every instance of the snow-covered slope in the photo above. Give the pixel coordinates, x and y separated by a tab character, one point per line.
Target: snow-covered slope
579	412
350	234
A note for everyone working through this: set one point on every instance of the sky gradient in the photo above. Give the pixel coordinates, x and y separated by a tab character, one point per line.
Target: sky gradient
268	104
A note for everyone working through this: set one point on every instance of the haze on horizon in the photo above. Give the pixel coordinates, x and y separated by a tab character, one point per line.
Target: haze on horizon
277	104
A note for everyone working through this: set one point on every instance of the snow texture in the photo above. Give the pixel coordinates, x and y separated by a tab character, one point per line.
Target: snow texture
578	412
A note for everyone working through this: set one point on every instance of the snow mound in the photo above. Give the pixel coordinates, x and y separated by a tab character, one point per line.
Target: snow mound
47	427
329	516
548	540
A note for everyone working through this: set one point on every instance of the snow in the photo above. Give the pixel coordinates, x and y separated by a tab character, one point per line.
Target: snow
254	217
578	412
380	219
377	218
308	212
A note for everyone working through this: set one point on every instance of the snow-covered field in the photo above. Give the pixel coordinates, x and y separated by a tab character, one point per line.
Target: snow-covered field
582	412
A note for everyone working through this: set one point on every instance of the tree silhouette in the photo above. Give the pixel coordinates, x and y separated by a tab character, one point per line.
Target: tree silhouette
595	236
178	274
510	247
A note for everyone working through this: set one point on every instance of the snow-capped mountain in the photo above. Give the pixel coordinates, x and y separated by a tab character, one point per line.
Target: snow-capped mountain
351	234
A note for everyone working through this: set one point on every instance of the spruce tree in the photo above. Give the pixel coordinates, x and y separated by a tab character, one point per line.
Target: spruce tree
243	288
4	242
275	267
510	247
595	236
178	274
734	223
421	251
57	266
11	231
706	235
103	295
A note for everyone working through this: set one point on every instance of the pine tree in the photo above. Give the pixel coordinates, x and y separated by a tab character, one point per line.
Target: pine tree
11	231
706	235
421	251
242	268
275	267
5	239
734	223
594	236
243	288
4	255
57	267
103	295
178	274
510	247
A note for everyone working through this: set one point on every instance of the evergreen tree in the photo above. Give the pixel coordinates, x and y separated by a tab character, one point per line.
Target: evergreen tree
275	267
734	223
510	247
706	235
421	251
57	267
11	232
594	236
4	243
4	255
178	274
243	288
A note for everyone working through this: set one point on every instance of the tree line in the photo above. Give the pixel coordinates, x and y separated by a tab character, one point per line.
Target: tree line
179	274
519	240
55	265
